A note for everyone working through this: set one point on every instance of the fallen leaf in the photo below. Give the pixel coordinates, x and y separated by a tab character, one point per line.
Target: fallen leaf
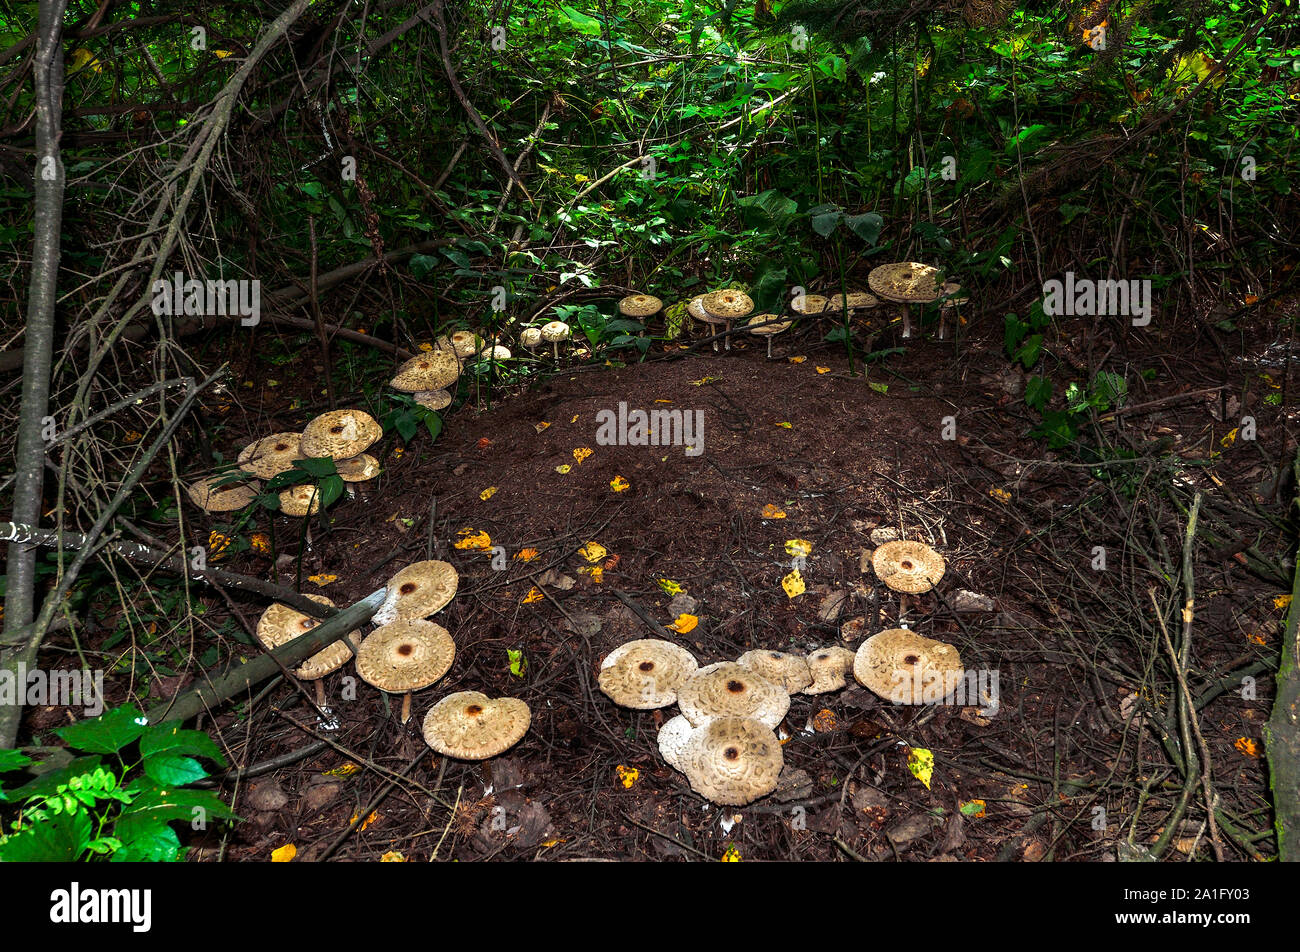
541	426
284	854
392	856
879	387
1252	298
533	596
526	555
553	841
685	623
1001	495
366	822
582	453
921	762
669	586
322	580
593	552
133	436
1281	601
798	548
793	584
397	452
473	539
518	663
426	347
488	493
575	418
1230	437
1247	746
484	442
618	484
824	721
702	381
823	370
563	468
627	776
771	512
611	563
217	544
973	808
796	360
343	770
663	401
596	572
732	855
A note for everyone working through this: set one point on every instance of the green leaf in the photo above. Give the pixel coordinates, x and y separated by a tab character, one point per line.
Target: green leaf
433	423
147	842
173	739
518	663
405	424
866	226
1111	389
588	26
173	769
318	467
1057	427
12	760
1038	390
106	734
879	387
1013	333
331	488
824	218
61	838
47	784
1029	351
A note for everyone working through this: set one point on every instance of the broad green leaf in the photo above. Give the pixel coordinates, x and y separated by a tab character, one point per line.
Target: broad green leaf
173	739
824	218
588	26
1038	390
866	226
317	467
331	488
61	838
147	842
106	734
12	760
173	769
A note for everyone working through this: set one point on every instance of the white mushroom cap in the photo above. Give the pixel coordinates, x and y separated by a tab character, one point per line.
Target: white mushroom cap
728	304
728	689
958	295
530	337
407	655
469	725
854	301
206	494
733	760
461	343
770	329
696	309
497	352
358	469
431	371
646	673
418	591
829	667
908	282
673	737
433	399
555	331
788	671
640	305
340	434
280	624
906	668
271	455
300	500
808	304
908	567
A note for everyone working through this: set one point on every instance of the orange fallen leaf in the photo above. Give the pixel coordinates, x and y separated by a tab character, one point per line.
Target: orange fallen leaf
488	493
284	854
627	776
771	512
526	555
1252	298
1247	746
484	442
392	856
684	623
823	370
582	453
797	360
824	721
541	426
533	596
611	563
473	539
260	543
618	484
1001	495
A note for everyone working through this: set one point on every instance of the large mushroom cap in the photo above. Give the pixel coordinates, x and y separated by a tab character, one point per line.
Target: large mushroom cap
729	689
341	434
906	668
281	624
433	399
733	760
829	668
407	655
469	725
808	304
460	343
555	331
778	328
907	282
431	371
728	304
640	305
789	671
673	737
646	673
418	591
908	567
271	455
358	469
300	500
530	337
206	494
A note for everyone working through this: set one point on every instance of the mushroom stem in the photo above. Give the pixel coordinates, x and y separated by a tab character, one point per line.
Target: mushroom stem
769	346
727	340
555	349
321	702
907	320
943	320
406	707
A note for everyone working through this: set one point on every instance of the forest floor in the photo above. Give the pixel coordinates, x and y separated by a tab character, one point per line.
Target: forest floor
839	456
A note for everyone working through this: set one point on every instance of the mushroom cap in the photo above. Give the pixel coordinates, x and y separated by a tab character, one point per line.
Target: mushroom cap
788	671
530	337
728	304
808	304
555	331
407	655
673	737
771	328
958	294
696	309
300	500
830	667
341	434
206	494
907	566
469	725
646	673
418	591
433	399
430	371
733	760
281	624
495	352
358	469
460	343
271	455
908	282
854	301
728	689
906	668
640	305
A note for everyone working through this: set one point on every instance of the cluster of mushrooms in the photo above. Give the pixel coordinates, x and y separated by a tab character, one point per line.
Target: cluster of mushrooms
430	377
407	653
724	739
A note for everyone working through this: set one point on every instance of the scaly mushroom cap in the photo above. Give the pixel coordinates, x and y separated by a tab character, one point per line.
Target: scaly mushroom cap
829	668
358	469
646	673
788	671
469	725
271	455
497	352
418	591
555	331
432	371
433	399
780	328
953	291
460	343
281	624
727	689
733	760
673	737
407	655
907	282
808	304
206	494
341	434
530	337
728	304
300	500
854	301
903	667
696	309
908	567
640	305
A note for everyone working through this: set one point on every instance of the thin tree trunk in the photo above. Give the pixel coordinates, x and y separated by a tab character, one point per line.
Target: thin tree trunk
29	451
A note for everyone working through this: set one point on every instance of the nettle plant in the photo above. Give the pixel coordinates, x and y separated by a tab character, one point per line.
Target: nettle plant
118	798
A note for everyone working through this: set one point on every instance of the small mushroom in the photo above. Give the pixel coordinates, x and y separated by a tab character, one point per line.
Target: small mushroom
553	333
953	298
281	624
728	304
469	725
808	304
300	500
213	496
770	331
495	352
907	283
829	668
733	760
640	307
906	668
907	566
673	737
646	673
424	375
697	311
358	469
460	343
531	337
788	671
340	434
418	591
853	301
730	689
408	655
433	399
271	455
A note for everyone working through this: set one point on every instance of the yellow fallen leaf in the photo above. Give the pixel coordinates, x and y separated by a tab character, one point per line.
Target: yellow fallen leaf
392	856
426	347
575	418
1247	746
541	426
1001	495
273	383
473	539
663	401
798	548
563	468
322	579
260	543
702	381
397	452
366	822
771	512
533	596
218	543
526	555
593	552
488	493
824	721
132	436
582	453
793	584
618	484
669	586
581	178
221	54
1230	438
284	854
596	572
1282	601
972	808
797	360
627	776
788	426
343	770
684	623
823	370
921	762
732	855
553	841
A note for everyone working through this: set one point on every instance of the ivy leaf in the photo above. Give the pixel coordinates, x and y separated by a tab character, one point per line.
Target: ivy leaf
106	734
